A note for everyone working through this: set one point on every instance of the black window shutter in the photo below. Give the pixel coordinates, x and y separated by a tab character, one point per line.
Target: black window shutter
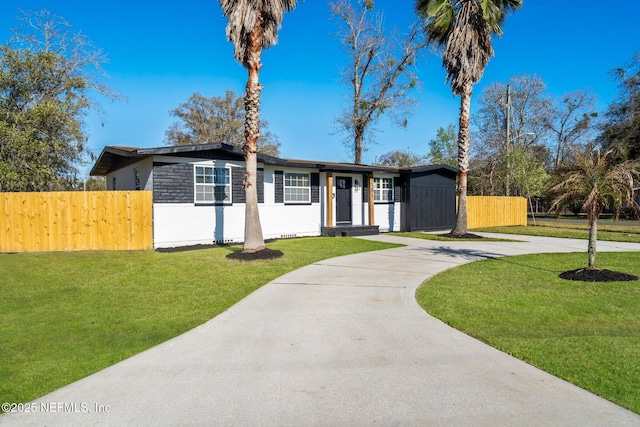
365	188
237	190
260	179
315	188
278	182
397	190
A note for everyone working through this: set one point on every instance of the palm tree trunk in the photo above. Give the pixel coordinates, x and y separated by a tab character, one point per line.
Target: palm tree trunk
463	163
593	237
253	238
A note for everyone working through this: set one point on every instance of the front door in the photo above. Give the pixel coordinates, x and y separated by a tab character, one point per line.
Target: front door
343	200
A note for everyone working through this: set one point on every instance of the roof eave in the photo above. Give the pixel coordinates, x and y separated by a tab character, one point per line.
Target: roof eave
103	165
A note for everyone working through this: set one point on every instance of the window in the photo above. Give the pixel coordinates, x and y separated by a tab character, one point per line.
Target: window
136	178
383	189
297	188
213	185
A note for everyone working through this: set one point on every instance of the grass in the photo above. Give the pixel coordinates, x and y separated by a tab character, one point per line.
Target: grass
609	232
67	315
586	333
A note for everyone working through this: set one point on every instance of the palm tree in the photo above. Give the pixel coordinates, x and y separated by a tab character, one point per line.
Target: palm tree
253	25
464	27
590	177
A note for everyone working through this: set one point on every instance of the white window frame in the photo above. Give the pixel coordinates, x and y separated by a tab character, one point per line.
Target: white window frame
204	189
295	192
379	190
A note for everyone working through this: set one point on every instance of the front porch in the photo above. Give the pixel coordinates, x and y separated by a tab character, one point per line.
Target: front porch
350	230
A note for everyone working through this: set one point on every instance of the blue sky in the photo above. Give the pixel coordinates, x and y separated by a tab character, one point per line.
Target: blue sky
161	52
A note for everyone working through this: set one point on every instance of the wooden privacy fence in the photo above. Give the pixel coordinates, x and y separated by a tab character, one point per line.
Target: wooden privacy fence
76	221
495	211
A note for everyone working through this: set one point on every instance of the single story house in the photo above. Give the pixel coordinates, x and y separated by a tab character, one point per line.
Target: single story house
198	195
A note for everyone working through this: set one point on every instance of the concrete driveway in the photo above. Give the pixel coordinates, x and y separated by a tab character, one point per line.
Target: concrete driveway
338	343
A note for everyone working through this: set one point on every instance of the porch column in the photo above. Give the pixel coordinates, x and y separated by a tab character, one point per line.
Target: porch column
329	216
371	204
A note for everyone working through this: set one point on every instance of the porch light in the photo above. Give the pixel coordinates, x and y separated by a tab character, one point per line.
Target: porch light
356	185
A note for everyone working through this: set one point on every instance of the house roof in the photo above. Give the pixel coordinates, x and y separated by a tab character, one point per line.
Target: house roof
113	158
340	167
116	157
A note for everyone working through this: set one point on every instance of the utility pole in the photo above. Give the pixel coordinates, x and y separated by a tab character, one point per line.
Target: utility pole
508	142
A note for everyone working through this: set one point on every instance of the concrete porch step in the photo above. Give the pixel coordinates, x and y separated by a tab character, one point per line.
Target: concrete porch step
350	230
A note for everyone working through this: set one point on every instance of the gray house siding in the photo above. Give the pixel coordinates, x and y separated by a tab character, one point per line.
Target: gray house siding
172	183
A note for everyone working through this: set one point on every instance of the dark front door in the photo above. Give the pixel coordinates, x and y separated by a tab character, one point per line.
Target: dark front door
343	200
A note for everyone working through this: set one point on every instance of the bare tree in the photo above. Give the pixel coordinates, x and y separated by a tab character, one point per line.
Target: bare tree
571	121
621	128
528	109
45	31
380	74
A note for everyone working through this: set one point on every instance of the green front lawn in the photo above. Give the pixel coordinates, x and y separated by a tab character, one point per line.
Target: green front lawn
607	231
67	315
586	333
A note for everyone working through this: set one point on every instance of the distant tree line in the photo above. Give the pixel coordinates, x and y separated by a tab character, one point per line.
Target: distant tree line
547	135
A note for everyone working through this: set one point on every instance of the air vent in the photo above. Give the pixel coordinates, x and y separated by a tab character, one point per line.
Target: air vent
224	242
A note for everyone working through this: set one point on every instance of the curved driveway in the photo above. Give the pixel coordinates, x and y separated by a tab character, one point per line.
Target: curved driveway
338	343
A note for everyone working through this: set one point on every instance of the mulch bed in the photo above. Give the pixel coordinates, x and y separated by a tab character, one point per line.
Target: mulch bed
185	248
263	254
461	236
595	275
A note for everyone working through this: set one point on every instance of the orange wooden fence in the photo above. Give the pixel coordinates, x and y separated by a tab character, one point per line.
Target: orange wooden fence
494	211
76	221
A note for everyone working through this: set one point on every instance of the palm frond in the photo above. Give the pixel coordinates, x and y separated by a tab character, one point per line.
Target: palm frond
468	48
439	16
495	12
242	18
